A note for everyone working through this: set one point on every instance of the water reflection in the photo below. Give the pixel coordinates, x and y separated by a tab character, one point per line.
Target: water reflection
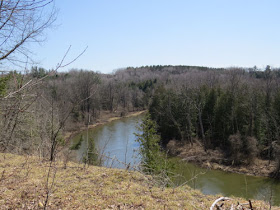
116	139
228	184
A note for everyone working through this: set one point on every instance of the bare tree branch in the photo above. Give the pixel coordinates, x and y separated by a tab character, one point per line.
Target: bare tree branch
21	22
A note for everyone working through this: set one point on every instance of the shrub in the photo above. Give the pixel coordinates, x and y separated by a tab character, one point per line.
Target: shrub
235	148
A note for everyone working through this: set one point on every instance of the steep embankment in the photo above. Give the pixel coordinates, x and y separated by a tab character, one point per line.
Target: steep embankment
213	159
23	184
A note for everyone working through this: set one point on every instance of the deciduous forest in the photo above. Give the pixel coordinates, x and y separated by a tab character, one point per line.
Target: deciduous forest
235	110
217	118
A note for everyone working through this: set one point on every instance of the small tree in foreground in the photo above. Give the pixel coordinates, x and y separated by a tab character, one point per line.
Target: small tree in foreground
153	159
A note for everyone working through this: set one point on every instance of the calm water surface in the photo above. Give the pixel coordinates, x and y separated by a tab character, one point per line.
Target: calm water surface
117	140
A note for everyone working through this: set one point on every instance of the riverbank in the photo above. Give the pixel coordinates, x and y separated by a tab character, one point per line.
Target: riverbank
105	117
213	159
23	185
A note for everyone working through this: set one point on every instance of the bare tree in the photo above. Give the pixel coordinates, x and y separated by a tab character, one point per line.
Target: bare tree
22	22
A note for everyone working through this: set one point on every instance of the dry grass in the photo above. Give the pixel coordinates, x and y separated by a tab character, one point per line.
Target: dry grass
23	186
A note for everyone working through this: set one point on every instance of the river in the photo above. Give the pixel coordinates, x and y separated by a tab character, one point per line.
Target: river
116	140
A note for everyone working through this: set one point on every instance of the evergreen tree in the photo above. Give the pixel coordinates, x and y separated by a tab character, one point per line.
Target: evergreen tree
153	159
223	120
3	84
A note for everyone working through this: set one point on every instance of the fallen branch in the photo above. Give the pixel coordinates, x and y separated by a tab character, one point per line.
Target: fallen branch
218	200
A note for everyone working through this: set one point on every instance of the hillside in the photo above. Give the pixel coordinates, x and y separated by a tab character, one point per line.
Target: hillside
23	182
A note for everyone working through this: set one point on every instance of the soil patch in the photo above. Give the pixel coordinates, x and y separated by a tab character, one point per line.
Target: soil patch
214	159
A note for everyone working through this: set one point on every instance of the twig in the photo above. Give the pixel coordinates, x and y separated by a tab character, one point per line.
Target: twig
60	65
250	204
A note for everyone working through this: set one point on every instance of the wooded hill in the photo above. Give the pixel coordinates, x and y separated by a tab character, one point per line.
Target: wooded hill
234	109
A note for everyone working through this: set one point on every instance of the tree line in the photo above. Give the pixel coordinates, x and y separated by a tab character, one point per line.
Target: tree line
36	116
234	109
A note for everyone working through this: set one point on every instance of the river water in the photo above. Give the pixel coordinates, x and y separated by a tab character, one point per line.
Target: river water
116	140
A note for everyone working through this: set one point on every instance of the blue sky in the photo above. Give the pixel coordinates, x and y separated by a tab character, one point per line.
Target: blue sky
121	33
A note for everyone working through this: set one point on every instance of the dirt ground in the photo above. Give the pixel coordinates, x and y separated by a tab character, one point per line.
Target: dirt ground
214	159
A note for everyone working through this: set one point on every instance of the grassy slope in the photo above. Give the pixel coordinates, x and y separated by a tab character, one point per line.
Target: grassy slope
23	185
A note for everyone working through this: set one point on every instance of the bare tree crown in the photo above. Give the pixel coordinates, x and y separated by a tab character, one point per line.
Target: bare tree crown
22	22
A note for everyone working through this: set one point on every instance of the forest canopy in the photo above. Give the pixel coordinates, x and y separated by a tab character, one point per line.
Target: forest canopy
234	109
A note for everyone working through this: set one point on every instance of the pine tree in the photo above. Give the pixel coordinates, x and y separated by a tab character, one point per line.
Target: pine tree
153	159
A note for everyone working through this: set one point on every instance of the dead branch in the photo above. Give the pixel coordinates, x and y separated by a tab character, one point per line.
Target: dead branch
218	200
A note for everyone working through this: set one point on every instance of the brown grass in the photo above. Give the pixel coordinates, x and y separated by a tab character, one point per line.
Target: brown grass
23	186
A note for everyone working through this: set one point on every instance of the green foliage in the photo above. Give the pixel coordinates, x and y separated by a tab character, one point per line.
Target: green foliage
222	120
145	86
153	159
4	84
169	113
61	141
276	106
38	72
77	144
91	157
224	112
208	111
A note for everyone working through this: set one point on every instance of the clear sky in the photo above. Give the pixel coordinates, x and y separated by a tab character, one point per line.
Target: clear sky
121	33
